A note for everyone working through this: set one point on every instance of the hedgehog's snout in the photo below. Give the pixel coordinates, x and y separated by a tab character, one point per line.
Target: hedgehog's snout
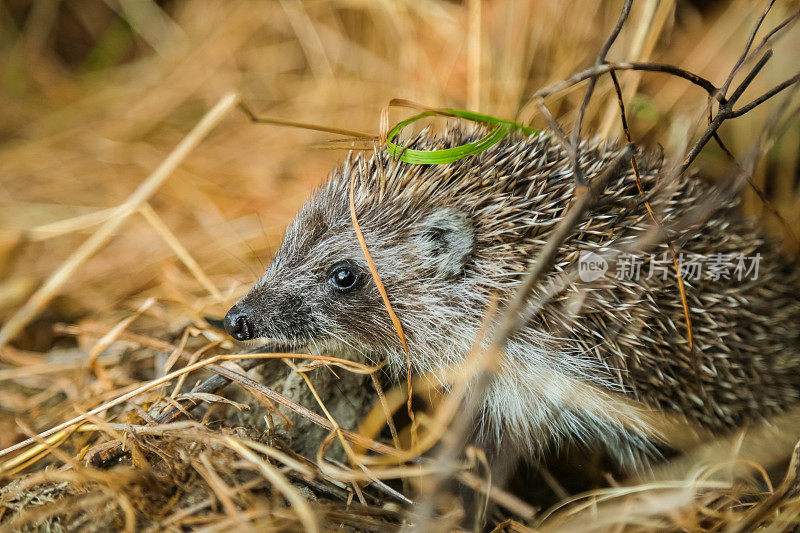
238	323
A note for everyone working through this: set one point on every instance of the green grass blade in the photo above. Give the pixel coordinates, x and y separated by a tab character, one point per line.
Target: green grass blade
449	155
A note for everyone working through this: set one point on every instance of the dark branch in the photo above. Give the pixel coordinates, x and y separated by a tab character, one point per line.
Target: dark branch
696	79
742	58
601	58
749	78
766	96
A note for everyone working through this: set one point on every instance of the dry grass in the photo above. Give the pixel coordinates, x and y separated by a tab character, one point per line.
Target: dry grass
135	208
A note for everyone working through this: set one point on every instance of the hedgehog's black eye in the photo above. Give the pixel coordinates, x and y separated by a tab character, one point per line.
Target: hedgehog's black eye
343	276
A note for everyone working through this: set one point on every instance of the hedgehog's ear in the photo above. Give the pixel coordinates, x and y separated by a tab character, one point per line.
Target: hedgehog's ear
445	239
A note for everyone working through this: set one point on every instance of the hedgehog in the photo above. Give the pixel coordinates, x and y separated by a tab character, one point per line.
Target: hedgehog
447	240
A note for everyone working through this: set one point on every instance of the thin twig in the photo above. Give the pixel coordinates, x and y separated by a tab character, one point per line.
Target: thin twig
766	96
258	119
724	113
601	58
645	66
743	57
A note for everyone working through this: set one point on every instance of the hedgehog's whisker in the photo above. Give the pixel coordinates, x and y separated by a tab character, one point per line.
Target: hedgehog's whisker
337	337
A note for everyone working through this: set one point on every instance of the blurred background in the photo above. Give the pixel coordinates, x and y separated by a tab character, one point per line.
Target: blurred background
94	95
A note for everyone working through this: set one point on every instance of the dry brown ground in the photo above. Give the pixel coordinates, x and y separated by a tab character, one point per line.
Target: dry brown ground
93	98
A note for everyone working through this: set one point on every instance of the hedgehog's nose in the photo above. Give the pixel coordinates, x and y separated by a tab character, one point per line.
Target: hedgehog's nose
238	324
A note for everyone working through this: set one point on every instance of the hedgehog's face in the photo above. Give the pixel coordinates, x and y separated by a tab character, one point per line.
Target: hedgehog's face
319	289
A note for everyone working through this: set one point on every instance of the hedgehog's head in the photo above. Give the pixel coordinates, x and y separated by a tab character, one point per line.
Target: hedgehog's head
319	288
